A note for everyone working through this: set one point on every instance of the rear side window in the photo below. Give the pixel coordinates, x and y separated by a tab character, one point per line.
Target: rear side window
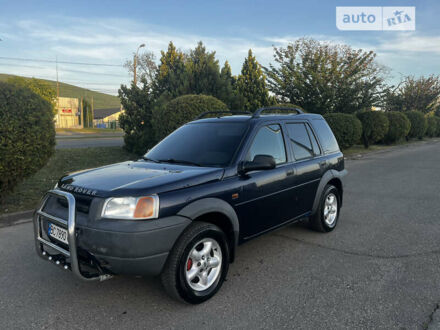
268	141
325	136
300	141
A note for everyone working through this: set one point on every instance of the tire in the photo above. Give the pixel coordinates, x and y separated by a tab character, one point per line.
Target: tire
326	217
199	240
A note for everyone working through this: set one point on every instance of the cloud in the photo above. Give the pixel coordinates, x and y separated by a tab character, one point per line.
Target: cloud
113	40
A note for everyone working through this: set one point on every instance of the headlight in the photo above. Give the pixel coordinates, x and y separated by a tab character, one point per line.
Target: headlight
131	207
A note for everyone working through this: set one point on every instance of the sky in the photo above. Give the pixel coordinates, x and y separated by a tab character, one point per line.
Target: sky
104	34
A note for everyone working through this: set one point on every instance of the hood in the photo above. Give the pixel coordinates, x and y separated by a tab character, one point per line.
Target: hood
136	178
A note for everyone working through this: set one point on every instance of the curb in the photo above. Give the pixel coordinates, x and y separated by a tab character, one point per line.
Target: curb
16	218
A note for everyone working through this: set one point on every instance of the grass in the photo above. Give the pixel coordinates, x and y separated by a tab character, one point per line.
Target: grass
100	100
28	193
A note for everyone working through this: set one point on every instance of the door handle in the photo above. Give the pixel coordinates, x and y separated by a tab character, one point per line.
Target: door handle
290	172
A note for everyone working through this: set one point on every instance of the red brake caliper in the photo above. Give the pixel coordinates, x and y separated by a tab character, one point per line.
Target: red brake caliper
189	264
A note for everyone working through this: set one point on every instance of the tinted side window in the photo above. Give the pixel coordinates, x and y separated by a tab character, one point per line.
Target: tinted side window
300	141
268	141
325	135
315	145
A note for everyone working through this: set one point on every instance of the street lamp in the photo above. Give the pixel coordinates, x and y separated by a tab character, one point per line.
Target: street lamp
135	61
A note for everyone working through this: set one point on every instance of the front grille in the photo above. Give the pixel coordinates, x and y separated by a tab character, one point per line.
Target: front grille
82	203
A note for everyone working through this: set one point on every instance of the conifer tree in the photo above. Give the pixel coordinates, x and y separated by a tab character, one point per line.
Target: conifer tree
251	84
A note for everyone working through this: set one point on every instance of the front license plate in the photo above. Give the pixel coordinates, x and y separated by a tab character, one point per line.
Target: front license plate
58	233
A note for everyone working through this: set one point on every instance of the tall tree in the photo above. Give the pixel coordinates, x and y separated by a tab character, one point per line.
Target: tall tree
203	72
251	84
171	73
322	77
228	91
146	68
420	94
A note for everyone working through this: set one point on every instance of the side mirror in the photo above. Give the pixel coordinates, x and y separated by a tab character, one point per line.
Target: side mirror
260	162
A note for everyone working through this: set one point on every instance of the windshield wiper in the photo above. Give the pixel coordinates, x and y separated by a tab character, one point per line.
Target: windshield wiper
178	161
150	160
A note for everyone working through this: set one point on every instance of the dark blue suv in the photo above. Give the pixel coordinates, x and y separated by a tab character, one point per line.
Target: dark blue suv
181	211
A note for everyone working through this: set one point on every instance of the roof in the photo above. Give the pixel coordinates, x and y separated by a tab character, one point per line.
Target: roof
103	113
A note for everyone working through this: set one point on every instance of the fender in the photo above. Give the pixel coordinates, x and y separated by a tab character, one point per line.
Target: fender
330	174
209	205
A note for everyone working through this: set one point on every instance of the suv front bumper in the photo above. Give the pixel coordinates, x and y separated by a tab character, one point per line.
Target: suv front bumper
140	247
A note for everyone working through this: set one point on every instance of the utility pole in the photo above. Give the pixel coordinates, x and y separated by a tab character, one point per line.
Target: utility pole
82	113
58	89
93	114
135	63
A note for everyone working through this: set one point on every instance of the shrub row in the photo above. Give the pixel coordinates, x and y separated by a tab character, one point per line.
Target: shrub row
347	128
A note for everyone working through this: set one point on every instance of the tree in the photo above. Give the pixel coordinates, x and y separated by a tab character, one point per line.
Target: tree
171	74
203	72
136	121
146	68
420	94
228	91
323	78
251	84
39	87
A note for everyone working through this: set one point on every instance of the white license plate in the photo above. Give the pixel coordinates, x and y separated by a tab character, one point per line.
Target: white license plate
58	233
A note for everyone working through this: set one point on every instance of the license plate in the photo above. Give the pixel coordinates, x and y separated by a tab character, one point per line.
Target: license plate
58	233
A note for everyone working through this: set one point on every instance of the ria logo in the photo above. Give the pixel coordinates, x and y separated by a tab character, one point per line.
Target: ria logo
376	18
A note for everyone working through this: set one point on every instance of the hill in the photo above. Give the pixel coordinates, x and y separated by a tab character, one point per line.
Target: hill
100	100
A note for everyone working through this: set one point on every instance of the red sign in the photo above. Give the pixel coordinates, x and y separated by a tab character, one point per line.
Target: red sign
66	110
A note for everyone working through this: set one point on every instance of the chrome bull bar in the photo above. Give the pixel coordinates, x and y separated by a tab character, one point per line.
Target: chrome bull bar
72	254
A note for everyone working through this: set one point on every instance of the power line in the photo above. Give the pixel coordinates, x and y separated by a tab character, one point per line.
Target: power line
53	61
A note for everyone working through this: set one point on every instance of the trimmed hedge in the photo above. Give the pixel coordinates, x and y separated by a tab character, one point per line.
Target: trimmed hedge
347	128
431	129
27	134
399	126
375	126
437	119
419	124
181	110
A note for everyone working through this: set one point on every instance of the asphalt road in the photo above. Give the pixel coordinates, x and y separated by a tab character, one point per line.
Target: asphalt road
84	142
378	269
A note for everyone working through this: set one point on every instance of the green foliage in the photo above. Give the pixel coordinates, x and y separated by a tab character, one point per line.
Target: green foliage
39	87
431	129
182	110
171	74
346	127
419	124
437	119
399	127
251	85
375	126
136	121
228	92
414	94
323	77
27	134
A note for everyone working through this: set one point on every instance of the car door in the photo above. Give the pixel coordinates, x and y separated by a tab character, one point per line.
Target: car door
263	198
308	166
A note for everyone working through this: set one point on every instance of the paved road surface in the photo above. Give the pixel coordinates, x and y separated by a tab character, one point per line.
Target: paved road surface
378	269
84	142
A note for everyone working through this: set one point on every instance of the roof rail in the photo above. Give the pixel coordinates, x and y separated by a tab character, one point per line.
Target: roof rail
224	112
259	111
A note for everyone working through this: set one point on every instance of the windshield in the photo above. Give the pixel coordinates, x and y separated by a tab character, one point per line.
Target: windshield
202	144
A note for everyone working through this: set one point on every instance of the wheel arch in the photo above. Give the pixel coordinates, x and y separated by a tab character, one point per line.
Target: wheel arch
334	178
219	213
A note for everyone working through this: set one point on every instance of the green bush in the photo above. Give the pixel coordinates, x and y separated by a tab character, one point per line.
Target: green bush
181	110
347	128
399	127
27	134
419	124
375	126
437	119
431	129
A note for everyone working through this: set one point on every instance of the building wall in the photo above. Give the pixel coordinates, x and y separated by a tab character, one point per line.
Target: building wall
111	121
67	115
